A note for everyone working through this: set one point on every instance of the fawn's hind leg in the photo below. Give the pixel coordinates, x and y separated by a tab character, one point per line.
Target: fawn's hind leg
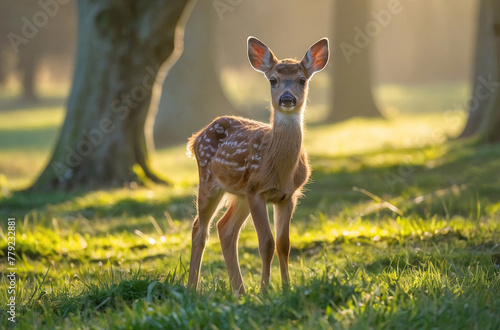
229	230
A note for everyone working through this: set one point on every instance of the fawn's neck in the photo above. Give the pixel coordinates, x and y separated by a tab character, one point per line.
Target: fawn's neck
286	140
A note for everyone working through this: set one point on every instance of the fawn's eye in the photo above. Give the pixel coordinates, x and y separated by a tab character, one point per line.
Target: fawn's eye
302	82
273	82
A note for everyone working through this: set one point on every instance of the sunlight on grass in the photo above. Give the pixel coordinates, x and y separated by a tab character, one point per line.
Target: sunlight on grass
176	166
428	98
358	136
45	117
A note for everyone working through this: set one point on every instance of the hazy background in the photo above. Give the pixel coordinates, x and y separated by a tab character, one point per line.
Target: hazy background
429	43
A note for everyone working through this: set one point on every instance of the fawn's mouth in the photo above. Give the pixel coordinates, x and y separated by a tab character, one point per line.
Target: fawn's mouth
287	108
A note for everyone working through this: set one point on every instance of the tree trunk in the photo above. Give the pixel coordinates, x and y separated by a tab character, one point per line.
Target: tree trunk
490	127
485	66
484	112
28	63
352	90
192	92
106	137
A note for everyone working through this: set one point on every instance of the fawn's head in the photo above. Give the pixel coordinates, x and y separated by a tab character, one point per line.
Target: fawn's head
289	78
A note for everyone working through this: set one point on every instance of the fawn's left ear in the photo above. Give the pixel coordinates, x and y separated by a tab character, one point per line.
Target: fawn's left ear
316	57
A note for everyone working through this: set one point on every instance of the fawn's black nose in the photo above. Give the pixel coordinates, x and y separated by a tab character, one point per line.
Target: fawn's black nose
287	100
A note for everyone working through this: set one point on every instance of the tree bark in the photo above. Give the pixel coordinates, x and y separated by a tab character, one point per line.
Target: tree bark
192	92
123	47
484	111
352	89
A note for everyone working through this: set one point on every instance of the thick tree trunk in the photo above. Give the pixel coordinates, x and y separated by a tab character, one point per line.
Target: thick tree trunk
352	89
484	117
192	92
106	136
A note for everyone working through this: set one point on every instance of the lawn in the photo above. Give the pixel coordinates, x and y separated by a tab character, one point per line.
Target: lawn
399	228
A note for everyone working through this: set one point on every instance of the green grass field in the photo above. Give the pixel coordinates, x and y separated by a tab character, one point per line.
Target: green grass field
398	229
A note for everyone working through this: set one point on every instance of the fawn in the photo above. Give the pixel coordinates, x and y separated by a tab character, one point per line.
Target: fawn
252	163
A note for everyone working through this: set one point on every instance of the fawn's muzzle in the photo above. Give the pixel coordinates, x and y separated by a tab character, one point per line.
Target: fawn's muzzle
287	100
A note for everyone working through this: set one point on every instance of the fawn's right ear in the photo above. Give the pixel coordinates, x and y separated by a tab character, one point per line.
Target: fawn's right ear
260	56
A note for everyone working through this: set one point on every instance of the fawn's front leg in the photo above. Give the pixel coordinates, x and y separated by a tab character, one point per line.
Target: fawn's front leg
282	215
258	210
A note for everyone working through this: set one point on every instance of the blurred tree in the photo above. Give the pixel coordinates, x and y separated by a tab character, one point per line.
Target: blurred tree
192	92
352	83
3	44
484	108
124	49
34	30
28	62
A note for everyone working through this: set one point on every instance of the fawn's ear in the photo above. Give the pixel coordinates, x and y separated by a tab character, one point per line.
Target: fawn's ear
260	56
316	57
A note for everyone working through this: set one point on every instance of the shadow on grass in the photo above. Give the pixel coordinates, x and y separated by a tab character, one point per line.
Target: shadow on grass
20	203
76	204
13	104
27	139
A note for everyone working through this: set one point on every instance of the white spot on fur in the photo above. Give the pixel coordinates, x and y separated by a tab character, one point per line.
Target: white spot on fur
240	151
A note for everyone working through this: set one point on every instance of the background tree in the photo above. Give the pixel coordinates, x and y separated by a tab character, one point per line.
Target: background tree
192	92
490	126
352	84
34	31
484	107
123	47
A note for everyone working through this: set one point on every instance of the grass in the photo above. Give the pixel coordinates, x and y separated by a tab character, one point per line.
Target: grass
396	230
